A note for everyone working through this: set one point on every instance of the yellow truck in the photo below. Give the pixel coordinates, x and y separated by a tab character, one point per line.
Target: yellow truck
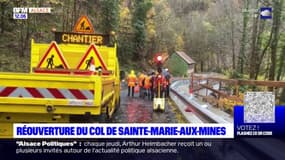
74	81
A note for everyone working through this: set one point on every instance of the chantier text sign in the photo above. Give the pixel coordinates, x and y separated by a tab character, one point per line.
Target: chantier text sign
79	38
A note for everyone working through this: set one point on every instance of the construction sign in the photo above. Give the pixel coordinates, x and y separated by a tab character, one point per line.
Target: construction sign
92	59
53	58
83	25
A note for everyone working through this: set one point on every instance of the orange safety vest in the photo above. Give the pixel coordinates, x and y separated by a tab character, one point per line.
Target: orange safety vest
164	83
132	80
160	80
147	83
167	79
167	82
141	78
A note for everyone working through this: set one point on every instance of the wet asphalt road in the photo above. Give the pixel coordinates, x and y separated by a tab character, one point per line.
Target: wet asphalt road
139	110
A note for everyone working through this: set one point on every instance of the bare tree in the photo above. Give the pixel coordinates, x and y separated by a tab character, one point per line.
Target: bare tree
254	36
277	5
281	64
244	37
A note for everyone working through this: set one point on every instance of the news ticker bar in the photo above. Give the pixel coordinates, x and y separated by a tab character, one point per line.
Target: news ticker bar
126	130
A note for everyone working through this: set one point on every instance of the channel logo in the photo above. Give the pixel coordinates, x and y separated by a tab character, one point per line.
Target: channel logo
265	13
20	13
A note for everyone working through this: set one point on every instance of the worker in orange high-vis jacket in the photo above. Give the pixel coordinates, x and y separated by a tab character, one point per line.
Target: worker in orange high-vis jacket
147	86
132	80
141	83
152	84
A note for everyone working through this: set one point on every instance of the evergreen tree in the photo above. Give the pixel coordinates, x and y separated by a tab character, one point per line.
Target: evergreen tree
110	15
139	25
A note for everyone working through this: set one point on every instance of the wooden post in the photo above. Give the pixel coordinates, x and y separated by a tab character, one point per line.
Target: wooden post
236	89
199	85
192	84
220	86
207	89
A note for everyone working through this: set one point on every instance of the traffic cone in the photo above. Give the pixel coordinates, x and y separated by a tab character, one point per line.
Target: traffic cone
188	109
191	92
92	65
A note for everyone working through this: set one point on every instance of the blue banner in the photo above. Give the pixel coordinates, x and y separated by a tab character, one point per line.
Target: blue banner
276	129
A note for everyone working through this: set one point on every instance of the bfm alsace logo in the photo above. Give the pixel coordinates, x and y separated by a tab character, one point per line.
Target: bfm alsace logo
22	13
